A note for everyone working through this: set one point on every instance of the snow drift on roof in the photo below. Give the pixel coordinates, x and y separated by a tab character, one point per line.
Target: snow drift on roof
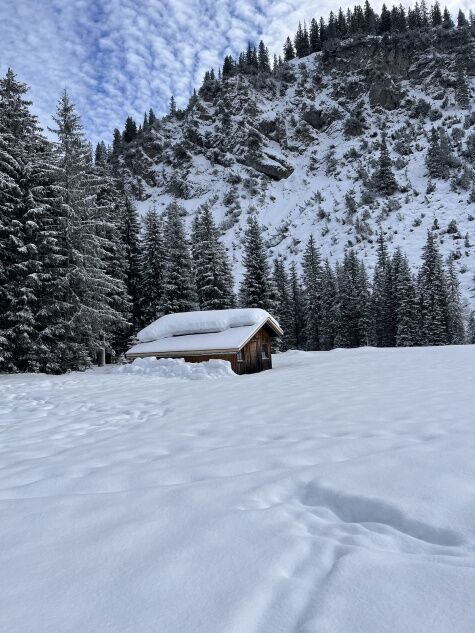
231	339
202	322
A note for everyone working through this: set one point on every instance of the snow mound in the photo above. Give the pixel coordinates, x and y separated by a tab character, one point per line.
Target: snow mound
201	322
178	368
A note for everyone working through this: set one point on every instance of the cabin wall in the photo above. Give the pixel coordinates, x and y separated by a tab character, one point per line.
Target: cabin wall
253	360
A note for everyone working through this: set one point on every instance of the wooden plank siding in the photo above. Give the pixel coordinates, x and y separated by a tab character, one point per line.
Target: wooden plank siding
252	362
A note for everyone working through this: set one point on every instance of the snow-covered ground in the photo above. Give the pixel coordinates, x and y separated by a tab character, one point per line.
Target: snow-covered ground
334	494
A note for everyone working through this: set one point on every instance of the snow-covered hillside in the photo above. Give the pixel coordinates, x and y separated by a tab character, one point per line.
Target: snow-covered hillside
299	147
132	502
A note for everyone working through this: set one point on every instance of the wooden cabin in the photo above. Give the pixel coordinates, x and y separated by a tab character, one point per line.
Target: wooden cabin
242	336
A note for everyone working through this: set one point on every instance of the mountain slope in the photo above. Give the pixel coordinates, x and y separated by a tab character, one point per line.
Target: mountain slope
300	146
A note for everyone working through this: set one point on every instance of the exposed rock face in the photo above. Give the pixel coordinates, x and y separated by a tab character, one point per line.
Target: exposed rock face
271	167
384	92
316	118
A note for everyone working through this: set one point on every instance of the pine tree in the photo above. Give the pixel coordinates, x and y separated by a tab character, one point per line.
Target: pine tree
214	280
228	66
363	306
109	209
152	263
439	155
289	52
433	159
433	296
314	37
283	305
130	130
455	323
129	224
179	290
26	229
383	178
462	21
312	273
369	19
462	90
352	300
436	15
424	14
302	47
297	303
100	156
87	295
447	22
385	20
405	302
172	107
471	329
256	288
263	58
382	298
328	308
331	27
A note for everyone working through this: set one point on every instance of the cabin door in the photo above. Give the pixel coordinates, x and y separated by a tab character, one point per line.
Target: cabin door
255	363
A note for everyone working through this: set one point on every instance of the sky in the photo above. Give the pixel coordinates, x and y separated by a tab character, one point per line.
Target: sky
121	57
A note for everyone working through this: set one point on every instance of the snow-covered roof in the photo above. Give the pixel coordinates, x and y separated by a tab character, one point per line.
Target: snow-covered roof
205	331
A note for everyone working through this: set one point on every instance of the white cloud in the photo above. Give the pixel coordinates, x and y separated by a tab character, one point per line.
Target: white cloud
120	57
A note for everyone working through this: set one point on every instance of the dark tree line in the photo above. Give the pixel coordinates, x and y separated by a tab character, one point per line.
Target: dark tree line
339	306
360	21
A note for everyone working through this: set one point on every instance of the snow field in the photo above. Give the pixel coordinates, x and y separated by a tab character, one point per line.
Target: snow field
334	493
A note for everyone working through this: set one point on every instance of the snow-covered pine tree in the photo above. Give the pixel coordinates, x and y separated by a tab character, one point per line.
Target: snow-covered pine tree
364	305
440	158
353	303
344	298
152	263
455	313
263	58
88	294
405	302
462	89
129	224
297	305
312	282
302	47
328	308
382	314
256	289
283	305
214	280
384	180
289	52
471	328
109	210
179	289
433	159
26	229
433	296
